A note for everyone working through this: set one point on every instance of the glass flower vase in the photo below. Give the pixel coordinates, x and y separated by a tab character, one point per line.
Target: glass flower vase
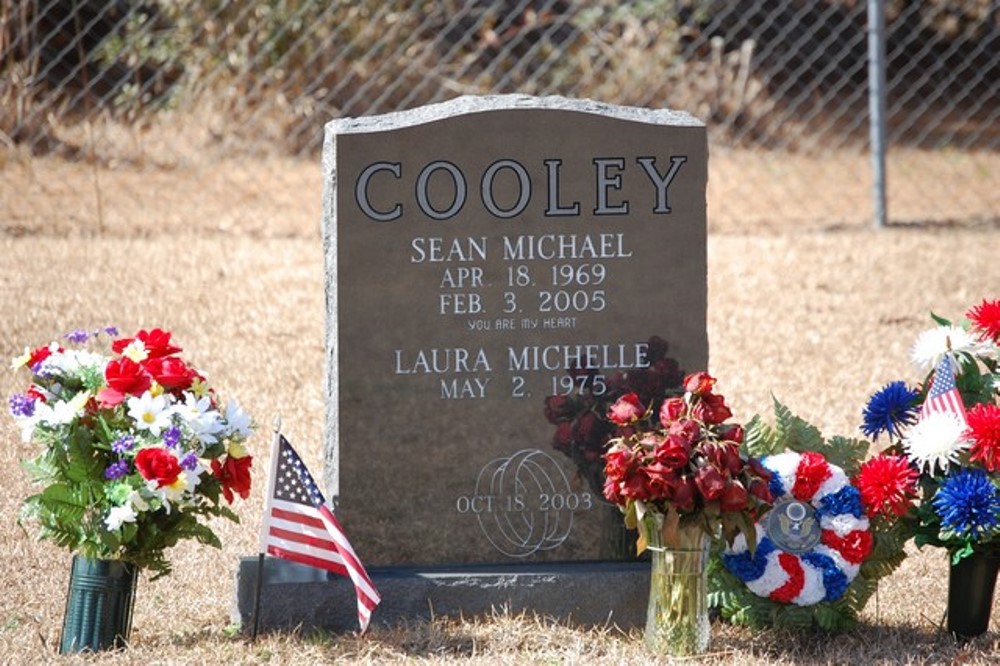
677	622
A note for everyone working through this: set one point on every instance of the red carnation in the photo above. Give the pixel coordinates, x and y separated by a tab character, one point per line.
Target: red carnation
812	471
854	546
985	318
887	484
156	464
234	475
984	430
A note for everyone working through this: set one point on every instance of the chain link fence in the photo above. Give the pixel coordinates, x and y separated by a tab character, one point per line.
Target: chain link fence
177	110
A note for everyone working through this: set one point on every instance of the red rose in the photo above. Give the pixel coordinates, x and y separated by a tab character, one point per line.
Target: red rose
234	475
688	430
124	377
759	470
559	408
627	409
156	464
635	485
734	497
590	430
684	494
618	461
671	410
673	451
562	440
171	373
660	480
156	342
726	455
761	490
711	409
710	482
733	432
611	491
699	383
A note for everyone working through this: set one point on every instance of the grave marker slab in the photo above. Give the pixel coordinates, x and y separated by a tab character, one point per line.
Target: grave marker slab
477	252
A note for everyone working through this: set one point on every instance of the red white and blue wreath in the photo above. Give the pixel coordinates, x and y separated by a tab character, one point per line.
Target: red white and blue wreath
818	555
811	544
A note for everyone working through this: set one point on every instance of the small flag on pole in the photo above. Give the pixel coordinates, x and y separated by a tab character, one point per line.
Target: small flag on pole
943	396
299	526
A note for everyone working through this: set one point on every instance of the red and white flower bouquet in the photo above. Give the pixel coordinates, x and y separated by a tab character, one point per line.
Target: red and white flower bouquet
136	448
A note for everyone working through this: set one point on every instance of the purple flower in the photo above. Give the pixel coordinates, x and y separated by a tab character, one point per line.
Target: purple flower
112	331
189	461
172	437
22	404
79	336
123	444
116	470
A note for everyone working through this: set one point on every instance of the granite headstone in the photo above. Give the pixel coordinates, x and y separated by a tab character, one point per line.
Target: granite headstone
483	254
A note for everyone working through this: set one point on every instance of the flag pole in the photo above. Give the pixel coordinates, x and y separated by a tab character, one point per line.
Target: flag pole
260	555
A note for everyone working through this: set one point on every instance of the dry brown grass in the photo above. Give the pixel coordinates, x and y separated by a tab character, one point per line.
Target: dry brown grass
819	317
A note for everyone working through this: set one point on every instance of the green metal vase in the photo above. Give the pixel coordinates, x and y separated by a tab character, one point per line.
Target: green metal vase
98	605
970	594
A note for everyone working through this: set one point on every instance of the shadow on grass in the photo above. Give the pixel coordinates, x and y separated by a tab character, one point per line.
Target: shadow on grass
867	643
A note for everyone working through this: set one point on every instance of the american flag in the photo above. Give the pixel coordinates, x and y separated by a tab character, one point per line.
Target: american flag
943	396
299	526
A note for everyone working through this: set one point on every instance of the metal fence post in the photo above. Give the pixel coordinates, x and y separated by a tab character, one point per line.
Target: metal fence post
877	107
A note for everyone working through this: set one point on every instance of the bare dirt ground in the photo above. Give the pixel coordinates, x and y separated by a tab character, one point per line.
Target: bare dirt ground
817	315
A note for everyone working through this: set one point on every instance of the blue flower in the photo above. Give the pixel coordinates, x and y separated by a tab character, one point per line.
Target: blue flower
189	461
79	336
22	404
123	444
968	504
172	437
116	470
892	406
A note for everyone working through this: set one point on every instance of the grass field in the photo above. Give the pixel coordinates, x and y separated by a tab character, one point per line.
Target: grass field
817	316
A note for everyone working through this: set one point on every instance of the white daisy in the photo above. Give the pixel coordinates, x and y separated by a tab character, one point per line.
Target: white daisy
150	412
933	344
935	441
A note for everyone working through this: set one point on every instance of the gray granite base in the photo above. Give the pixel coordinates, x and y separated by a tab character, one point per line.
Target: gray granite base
294	596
